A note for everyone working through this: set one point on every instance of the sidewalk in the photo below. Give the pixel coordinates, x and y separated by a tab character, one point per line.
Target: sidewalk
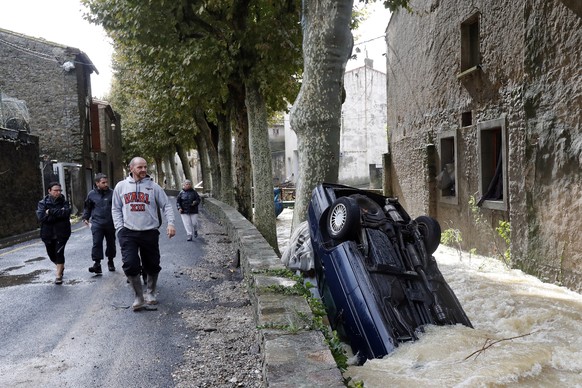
290	359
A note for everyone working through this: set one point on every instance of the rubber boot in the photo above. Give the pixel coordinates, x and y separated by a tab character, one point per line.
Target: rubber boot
60	270
135	282
150	294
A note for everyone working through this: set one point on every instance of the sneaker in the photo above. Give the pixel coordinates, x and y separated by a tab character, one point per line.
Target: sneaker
195	233
96	269
59	280
110	265
189	238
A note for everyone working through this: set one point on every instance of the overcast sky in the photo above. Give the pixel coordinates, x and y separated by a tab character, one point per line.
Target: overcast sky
61	21
369	38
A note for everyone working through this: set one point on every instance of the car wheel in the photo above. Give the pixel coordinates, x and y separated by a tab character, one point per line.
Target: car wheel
430	230
367	205
343	219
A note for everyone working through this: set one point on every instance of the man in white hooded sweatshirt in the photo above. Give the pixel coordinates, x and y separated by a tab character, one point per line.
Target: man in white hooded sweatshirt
136	201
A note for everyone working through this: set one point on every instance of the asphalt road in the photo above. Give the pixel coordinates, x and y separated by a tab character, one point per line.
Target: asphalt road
83	333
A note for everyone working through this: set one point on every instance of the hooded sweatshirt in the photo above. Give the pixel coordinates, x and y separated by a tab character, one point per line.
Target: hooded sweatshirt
135	205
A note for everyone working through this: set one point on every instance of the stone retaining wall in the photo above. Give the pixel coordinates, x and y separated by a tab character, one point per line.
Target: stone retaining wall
297	359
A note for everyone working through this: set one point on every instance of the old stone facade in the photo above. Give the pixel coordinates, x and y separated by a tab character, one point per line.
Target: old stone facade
20	178
363	138
363	132
54	81
491	91
106	142
277	144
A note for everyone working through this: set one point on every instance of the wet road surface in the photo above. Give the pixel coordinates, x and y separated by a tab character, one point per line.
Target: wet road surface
83	333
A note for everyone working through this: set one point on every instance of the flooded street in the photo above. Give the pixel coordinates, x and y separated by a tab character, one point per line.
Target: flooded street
526	333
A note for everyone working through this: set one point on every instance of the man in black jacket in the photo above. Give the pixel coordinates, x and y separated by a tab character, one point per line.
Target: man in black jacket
98	210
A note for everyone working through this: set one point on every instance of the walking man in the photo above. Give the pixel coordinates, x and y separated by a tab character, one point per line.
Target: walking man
136	202
187	202
97	214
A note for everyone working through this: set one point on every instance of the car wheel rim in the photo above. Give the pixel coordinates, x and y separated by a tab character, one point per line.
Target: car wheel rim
338	218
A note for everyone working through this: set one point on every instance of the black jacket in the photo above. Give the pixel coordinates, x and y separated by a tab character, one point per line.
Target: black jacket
188	201
57	223
98	208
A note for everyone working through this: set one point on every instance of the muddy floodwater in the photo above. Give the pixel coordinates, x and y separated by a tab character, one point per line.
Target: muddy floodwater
526	333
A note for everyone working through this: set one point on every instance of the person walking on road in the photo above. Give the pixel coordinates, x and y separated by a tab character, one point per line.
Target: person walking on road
137	204
54	214
97	215
187	202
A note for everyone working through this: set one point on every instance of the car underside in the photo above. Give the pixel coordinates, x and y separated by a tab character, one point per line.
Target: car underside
375	270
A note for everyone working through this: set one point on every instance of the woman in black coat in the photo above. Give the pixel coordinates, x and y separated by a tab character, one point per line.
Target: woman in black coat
187	202
54	214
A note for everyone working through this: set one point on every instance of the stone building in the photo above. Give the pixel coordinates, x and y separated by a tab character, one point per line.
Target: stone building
491	92
105	142
54	81
363	138
277	144
21	180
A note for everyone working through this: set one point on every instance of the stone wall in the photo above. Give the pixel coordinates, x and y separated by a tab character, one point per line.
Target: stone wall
20	181
290	359
550	184
529	79
54	81
363	138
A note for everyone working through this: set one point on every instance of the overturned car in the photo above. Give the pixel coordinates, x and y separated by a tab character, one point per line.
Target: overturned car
375	271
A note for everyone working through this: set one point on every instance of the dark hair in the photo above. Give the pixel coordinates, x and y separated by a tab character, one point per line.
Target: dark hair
99	176
50	185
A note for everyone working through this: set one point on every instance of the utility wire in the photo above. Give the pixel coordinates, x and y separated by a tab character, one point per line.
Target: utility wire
26	50
370	40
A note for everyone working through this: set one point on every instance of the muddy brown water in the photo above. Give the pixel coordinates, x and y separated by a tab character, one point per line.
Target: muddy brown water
527	333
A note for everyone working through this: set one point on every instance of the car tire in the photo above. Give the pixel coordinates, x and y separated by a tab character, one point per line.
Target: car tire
343	218
430	230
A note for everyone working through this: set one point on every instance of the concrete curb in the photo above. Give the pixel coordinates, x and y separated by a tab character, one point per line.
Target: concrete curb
297	359
31	235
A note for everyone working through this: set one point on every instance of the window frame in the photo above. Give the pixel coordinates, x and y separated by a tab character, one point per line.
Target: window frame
450	135
483	127
470	60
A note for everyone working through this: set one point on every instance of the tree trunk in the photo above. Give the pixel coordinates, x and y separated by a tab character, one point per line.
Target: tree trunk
204	164
160	171
208	167
225	159
241	156
213	167
175	178
261	163
316	113
168	170
185	163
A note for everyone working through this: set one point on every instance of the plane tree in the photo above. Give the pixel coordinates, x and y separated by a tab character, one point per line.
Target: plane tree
316	113
243	54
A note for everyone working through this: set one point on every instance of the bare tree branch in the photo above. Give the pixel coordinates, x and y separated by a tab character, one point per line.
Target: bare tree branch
489	342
